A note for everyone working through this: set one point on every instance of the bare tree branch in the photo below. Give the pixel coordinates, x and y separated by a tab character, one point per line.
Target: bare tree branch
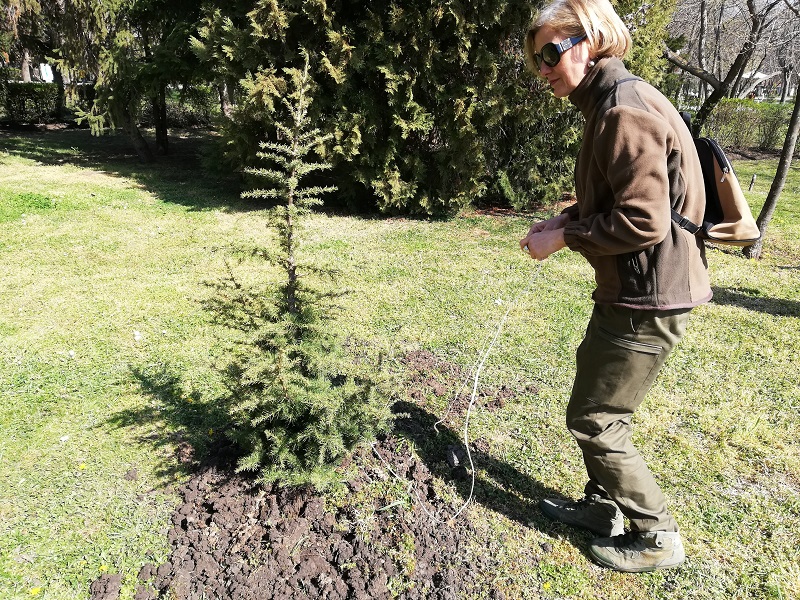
689	68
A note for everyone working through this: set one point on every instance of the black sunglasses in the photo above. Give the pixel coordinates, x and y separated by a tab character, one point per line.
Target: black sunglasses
551	53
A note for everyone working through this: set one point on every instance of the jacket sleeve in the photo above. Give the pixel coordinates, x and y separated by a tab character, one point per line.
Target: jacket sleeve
571	211
630	149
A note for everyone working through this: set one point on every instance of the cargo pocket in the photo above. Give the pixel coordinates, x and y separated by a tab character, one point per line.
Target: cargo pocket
615	373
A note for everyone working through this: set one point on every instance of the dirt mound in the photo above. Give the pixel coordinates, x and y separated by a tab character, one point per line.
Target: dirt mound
233	540
390	535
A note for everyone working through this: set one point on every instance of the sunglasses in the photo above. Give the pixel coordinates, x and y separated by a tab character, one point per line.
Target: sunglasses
551	53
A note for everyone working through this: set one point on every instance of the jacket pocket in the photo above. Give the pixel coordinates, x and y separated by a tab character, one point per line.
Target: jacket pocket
636	276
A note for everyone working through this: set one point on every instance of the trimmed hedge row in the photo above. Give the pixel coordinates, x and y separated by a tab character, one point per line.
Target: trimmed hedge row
741	123
29	102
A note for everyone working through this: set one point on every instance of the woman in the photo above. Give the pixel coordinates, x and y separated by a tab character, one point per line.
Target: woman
637	160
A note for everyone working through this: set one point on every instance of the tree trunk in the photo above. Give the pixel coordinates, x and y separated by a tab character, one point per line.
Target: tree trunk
26	65
705	110
160	120
137	139
776	188
787	80
701	47
61	100
225	104
717	67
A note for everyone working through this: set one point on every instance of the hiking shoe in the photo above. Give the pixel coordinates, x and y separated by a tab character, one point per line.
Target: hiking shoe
592	512
639	551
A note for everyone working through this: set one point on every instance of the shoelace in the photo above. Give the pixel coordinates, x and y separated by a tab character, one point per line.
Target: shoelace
626	539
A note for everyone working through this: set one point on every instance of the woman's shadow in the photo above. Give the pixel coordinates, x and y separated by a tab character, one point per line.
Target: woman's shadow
505	490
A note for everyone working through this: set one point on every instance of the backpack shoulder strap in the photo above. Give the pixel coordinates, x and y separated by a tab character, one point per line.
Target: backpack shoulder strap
682	221
685	223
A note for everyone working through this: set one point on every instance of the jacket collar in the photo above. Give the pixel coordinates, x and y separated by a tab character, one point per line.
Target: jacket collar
597	83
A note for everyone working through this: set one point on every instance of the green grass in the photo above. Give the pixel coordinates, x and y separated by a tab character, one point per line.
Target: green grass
96	248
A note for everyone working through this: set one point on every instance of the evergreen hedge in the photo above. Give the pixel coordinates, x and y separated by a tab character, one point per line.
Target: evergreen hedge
428	104
30	102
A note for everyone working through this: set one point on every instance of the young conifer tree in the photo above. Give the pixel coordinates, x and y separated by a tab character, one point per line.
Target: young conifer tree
296	413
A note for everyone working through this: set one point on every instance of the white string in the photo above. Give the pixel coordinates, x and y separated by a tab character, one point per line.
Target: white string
477	372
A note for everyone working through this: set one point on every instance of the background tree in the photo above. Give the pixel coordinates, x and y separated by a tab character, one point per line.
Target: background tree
165	27
760	18
648	23
784	163
132	49
37	32
20	21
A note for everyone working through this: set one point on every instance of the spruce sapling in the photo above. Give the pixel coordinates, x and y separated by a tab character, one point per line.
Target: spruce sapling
295	412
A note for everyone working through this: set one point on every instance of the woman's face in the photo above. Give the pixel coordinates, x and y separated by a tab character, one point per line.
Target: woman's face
572	67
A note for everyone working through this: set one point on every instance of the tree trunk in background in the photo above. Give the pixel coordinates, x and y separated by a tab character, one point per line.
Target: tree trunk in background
786	70
26	65
160	121
61	100
701	47
775	189
225	104
130	127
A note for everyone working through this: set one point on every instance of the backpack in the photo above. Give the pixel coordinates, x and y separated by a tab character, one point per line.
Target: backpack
727	218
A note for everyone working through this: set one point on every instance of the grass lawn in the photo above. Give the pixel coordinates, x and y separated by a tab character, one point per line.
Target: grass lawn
104	267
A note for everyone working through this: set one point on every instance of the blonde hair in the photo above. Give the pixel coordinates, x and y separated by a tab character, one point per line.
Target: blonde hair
605	32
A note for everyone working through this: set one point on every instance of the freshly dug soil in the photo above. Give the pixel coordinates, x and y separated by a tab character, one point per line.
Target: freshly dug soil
234	540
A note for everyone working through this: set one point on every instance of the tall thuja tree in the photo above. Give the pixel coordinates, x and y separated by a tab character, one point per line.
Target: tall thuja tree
296	412
531	150
411	92
426	101
648	23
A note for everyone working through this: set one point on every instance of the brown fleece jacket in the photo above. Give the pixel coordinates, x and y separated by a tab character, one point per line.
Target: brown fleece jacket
637	160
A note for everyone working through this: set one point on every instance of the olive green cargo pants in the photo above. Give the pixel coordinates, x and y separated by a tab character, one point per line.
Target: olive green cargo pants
617	362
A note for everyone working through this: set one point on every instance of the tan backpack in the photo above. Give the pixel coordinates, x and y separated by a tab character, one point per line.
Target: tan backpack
727	219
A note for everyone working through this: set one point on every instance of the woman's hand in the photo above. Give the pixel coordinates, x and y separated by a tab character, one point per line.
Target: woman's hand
557	222
545	237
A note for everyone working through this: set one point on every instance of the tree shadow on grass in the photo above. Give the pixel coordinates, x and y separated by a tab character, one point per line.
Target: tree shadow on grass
177	178
195	429
751	299
504	489
180	420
